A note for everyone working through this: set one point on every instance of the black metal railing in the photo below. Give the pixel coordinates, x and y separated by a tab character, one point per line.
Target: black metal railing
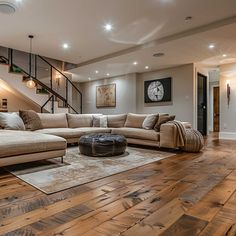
47	76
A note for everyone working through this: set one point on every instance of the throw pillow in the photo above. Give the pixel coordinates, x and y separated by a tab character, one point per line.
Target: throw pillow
11	121
162	120
100	121
31	120
134	120
150	121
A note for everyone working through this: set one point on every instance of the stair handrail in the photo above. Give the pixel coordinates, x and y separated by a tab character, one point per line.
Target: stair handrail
38	82
67	81
50	90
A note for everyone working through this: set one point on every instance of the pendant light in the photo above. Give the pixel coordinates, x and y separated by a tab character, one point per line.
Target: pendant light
30	83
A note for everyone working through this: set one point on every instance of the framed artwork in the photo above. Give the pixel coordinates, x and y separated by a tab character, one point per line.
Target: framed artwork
158	90
106	96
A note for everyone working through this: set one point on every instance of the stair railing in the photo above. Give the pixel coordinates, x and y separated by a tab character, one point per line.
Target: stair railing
64	94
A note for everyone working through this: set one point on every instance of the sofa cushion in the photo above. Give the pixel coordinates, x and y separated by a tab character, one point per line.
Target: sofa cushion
66	133
53	120
11	121
100	121
90	130
150	121
162	120
31	120
80	120
13	143
137	133
116	121
134	120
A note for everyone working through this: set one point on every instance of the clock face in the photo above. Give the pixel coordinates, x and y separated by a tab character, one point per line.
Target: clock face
155	91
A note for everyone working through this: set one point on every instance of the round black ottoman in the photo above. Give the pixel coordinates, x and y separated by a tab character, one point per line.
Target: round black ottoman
102	145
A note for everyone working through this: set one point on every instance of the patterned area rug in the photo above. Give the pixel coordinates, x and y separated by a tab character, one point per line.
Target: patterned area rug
51	176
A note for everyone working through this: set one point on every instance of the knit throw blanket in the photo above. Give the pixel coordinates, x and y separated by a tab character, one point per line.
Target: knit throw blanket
181	133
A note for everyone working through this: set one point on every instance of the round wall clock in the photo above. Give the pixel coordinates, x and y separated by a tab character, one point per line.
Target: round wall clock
155	91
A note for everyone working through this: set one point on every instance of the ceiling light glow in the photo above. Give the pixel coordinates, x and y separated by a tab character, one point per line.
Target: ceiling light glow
65	45
224	55
146	67
211	46
89	78
96	71
135	63
108	74
108	27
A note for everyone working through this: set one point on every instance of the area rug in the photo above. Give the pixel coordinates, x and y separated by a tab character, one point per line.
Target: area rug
52	176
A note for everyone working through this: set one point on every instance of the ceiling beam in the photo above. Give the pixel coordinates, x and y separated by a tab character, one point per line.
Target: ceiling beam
156	42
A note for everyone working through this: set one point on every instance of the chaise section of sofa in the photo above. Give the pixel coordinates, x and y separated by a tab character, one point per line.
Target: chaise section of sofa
25	146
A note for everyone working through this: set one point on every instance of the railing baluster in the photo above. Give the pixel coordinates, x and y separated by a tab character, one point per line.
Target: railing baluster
55	94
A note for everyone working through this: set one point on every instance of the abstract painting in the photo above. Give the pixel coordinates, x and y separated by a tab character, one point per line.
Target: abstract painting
106	96
158	90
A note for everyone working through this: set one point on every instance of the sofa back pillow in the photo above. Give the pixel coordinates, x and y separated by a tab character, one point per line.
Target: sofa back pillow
31	120
53	120
116	121
100	121
11	121
134	120
80	120
162	120
150	121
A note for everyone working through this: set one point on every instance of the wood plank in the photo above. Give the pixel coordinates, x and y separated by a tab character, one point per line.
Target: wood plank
185	226
175	196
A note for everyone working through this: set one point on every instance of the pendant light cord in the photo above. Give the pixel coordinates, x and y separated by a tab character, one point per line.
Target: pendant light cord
30	55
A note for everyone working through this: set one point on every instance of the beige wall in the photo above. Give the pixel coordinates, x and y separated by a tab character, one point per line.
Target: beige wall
130	93
125	95
228	113
182	92
16	101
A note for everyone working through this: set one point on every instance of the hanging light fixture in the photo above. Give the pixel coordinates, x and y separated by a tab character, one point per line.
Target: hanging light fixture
30	83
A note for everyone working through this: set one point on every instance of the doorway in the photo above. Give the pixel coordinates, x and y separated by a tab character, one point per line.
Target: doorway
216	109
202	103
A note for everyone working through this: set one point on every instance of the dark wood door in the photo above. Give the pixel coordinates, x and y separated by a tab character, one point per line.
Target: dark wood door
216	100
202	104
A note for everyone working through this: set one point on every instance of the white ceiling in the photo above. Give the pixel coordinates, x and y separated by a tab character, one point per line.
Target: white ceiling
80	24
185	50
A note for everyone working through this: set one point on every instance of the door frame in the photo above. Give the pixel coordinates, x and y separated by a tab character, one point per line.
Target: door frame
215	86
207	100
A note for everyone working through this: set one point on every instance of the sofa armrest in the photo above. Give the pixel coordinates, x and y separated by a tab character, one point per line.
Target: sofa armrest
187	125
168	135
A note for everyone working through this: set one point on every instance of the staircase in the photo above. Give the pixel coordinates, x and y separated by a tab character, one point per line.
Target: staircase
54	91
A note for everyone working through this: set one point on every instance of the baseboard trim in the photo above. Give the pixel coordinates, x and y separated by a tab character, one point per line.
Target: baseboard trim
227	135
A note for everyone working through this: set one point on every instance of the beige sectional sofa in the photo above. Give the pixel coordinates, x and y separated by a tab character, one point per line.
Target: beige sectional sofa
56	130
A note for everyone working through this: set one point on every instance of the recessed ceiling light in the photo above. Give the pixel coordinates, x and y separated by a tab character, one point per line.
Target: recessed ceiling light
188	18
211	46
108	74
108	27
7	8
65	45
135	63
159	54
224	55
146	67
89	78
96	71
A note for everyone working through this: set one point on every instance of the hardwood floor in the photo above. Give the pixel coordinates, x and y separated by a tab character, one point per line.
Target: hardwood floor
188	194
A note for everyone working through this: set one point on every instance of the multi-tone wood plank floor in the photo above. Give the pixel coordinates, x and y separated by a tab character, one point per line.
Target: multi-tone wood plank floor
188	194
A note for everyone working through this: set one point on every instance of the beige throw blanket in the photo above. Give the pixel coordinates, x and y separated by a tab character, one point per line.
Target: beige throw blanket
181	133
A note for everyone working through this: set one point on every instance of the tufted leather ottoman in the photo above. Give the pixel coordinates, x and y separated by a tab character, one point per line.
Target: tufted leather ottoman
102	145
